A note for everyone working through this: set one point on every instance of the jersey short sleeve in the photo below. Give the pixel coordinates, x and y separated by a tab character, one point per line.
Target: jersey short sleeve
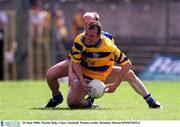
119	57
76	50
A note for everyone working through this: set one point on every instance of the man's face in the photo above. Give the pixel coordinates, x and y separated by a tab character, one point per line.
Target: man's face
91	36
87	20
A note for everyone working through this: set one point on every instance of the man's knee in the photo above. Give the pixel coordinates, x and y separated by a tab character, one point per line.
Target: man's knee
73	105
49	74
57	71
72	102
131	75
116	70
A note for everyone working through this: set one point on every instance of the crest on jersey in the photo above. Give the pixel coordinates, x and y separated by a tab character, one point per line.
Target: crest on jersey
96	55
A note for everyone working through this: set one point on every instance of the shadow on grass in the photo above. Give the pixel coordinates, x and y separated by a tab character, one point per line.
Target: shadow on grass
68	109
50	108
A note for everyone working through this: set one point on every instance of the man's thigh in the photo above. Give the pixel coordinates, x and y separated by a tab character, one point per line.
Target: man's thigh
60	69
112	76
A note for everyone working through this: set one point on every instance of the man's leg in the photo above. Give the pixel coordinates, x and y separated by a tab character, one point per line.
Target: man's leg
76	98
57	71
136	84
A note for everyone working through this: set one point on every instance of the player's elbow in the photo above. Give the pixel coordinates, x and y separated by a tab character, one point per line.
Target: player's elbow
130	65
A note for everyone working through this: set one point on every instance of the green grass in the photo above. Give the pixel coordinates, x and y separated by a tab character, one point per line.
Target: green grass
24	100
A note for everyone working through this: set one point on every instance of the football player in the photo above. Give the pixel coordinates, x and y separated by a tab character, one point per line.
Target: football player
93	57
61	69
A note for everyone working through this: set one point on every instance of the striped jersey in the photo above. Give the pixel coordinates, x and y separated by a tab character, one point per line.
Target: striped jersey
96	61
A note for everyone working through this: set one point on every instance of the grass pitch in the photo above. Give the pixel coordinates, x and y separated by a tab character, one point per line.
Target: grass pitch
24	100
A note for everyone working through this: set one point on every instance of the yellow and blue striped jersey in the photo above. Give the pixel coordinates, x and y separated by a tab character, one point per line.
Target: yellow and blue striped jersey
97	61
108	35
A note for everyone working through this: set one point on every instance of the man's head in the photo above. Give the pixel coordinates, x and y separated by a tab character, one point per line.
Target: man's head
96	16
89	17
93	32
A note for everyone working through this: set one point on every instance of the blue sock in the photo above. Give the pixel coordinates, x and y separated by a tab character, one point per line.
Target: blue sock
149	99
89	103
57	97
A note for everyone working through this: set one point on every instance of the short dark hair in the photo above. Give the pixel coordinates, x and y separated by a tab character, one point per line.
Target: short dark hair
94	25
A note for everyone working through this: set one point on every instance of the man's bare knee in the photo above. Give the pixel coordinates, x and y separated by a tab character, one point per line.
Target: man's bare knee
131	75
49	74
73	103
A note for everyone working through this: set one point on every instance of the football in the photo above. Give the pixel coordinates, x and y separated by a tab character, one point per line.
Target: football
97	88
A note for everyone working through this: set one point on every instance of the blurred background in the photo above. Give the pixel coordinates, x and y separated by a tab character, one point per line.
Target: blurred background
35	34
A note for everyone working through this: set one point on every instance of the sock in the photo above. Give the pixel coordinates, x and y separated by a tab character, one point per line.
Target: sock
149	99
91	99
57	97
89	103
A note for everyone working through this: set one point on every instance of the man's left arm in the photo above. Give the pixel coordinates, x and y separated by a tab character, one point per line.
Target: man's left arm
122	60
122	73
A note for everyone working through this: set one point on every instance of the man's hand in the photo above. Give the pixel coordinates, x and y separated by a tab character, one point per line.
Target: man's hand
110	88
75	67
85	85
72	79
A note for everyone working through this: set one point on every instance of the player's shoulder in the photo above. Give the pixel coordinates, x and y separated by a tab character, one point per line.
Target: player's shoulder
79	37
107	43
106	34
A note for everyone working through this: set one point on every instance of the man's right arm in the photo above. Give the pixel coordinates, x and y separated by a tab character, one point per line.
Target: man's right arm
77	70
71	75
76	56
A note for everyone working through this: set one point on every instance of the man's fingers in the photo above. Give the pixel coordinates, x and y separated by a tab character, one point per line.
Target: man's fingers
106	89
86	87
73	82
